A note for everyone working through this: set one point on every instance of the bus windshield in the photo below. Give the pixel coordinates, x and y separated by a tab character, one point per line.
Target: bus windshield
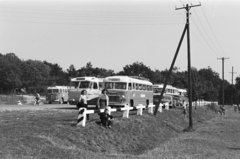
157	90
84	84
74	84
52	91
109	85
55	90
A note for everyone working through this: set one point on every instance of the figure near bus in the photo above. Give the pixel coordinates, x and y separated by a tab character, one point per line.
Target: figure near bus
82	102
103	100
37	99
184	112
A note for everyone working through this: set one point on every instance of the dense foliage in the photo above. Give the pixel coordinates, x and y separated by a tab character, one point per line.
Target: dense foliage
38	75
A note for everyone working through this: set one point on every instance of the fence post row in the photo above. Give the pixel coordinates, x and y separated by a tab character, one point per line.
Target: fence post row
82	114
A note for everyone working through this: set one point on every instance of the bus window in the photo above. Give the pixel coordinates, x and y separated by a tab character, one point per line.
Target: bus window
109	85
120	85
49	90
95	85
84	84
134	86
137	86
144	87
129	86
150	88
100	85
140	86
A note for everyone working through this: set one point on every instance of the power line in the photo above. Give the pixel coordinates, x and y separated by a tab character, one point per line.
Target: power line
134	24
212	30
206	31
203	37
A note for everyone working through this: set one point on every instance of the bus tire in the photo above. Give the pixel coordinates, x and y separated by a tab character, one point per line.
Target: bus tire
131	103
147	102
49	102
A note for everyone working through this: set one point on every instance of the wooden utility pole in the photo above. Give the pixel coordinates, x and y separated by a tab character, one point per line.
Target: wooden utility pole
170	70
189	64
223	58
232	84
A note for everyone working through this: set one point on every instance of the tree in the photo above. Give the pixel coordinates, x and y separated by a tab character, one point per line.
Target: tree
89	70
138	69
57	75
72	72
10	71
212	83
35	74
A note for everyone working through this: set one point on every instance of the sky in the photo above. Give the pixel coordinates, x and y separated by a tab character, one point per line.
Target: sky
114	33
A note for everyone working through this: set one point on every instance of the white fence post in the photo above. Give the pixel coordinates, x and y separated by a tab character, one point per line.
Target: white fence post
81	117
126	110
160	107
167	106
140	109
150	108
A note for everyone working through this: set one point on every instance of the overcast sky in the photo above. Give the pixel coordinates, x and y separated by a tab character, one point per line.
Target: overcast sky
113	33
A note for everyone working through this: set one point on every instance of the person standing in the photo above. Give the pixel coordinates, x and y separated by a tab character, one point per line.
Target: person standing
184	112
103	100
37	98
82	102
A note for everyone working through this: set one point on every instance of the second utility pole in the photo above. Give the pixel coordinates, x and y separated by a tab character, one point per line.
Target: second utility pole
189	65
232	84
223	58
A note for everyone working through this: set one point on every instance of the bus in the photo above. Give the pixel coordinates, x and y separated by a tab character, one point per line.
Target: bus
129	90
57	94
170	95
92	85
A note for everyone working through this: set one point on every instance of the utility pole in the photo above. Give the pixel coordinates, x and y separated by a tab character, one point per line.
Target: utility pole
170	70
232	83
223	58
187	8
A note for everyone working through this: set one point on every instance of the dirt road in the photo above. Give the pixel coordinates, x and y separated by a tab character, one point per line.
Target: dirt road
36	107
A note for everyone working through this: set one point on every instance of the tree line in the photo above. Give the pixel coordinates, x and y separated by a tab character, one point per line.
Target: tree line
38	75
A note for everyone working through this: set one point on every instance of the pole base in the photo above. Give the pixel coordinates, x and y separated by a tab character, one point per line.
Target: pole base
188	129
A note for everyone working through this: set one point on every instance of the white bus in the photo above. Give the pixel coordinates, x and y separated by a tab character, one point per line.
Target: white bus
183	95
171	94
92	85
57	94
128	90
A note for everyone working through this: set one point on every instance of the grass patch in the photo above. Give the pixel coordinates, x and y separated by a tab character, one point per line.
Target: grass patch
54	134
11	99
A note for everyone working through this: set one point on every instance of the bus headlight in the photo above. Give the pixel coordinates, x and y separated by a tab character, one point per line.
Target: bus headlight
122	98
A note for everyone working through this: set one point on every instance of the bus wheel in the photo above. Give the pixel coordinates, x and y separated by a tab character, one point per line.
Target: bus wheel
131	103
49	102
147	102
